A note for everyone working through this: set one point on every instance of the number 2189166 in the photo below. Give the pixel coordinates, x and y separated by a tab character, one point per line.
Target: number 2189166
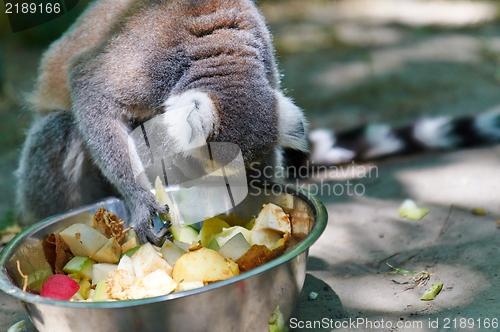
32	8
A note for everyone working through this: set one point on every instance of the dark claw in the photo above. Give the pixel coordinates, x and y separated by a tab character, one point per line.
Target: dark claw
158	238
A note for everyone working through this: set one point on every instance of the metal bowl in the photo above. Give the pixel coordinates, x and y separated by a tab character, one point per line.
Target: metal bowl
243	303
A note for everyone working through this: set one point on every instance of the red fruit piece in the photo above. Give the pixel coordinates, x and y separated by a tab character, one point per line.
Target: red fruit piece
59	287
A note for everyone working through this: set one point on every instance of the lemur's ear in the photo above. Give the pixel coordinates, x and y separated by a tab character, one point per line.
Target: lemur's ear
292	125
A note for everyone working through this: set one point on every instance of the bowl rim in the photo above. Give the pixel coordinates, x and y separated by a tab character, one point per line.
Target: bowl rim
320	216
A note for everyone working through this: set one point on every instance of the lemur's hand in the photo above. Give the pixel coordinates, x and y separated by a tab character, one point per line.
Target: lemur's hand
143	209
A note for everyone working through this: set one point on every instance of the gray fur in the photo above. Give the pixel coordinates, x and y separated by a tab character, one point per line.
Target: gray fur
151	52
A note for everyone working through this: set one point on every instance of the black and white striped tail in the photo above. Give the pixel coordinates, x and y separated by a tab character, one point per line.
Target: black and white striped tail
379	140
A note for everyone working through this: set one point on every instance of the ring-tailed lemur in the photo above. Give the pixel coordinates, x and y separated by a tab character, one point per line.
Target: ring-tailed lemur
205	68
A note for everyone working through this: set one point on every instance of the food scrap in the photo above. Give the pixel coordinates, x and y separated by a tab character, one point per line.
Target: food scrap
478	212
312	296
18	327
277	321
432	292
410	210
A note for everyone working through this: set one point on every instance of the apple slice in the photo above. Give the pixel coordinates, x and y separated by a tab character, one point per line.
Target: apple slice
109	253
59	287
101	293
82	266
83	240
267	237
83	291
37	278
211	227
273	217
131	240
185	234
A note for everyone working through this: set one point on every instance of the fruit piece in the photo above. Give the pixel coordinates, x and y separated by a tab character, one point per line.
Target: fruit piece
213	245
83	240
100	271
109	253
228	233
203	265
82	266
59	287
189	285
211	227
119	286
157	283
432	292
183	245
127	265
131	241
236	247
410	210
277	321
131	251
267	237
281	245
185	234
273	217
37	278
84	290
18	327
233	219
146	260
249	225
101	293
171	252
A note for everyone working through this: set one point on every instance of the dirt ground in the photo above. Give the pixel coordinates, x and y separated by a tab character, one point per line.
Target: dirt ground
350	62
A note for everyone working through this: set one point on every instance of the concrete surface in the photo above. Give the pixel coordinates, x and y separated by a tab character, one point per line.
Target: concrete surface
349	62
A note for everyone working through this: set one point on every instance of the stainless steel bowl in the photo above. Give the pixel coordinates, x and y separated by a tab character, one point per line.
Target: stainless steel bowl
243	303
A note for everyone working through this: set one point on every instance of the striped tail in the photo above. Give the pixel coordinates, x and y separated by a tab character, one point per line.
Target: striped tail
375	141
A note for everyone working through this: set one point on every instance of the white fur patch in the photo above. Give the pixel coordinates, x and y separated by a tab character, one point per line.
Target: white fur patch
292	125
189	118
135	160
435	133
488	124
382	140
73	162
323	151
73	167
